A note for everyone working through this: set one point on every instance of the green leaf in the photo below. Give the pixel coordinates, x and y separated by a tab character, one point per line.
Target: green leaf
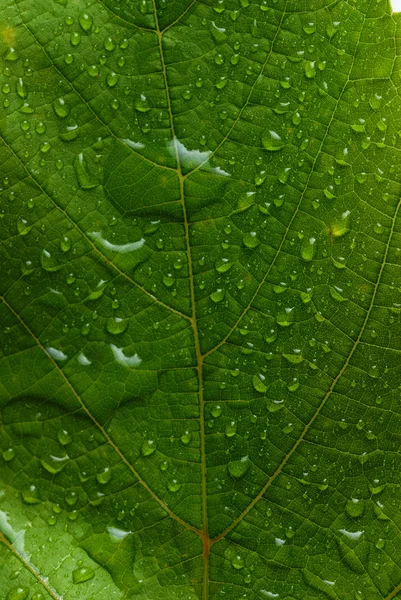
200	300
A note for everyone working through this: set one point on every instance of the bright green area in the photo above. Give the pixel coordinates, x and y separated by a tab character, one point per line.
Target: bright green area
200	275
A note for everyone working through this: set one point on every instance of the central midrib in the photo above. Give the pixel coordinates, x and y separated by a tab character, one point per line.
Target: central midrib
204	535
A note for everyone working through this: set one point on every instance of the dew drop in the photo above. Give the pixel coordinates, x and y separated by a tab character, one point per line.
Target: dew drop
272	141
18	593
237	562
63	437
308	248
173	485
8	455
238	468
104	477
218	295
61	108
85	21
112	79
82	574
250	240
148	447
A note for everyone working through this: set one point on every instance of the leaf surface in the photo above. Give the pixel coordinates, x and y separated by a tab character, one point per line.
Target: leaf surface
200	284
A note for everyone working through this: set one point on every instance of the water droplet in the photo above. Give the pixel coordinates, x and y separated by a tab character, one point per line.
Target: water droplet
237	562
31	495
173	485
75	38
310	70
65	244
54	464
61	108
63	437
238	468
112	79
250	240
85	21
258	383
284	175
82	574
272	141
45	147
22	227
142	104
148	447
48	262
115	325
218	295
375	101
186	437
308	248
85	179
8	455
168	280
355	508
104	477
109	44
222	266
40	128
216	411
12	55
309	28
336	295
231	429
93	70
359	126
18	593
21	88
71	498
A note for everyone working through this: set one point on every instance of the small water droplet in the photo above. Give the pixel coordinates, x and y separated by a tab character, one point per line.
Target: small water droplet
63	437
272	141
82	574
8	455
238	468
308	247
61	108
148	447
85	21
238	563
173	485
116	326
104	477
18	593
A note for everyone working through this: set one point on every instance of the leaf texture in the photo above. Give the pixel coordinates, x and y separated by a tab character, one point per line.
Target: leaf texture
200	300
